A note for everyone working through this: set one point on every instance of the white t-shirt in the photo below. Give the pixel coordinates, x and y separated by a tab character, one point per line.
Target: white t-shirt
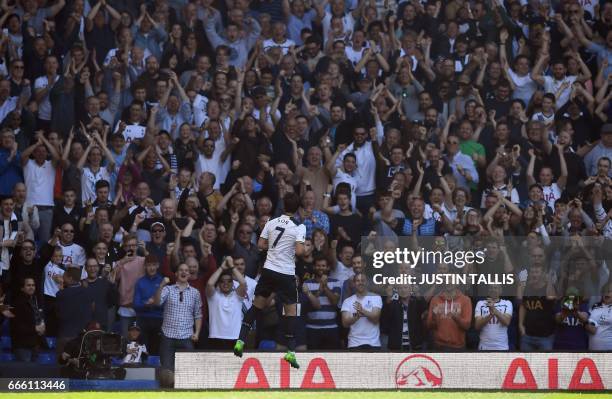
269	120
74	255
44	108
50	286
525	86
551	85
282	234
363	332
198	106
135	357
588	6
602	339
494	335
343	177
514	197
354	56
224	315
551	194
270	43
212	165
547	120
89	180
341	272
40	181
348	23
8	106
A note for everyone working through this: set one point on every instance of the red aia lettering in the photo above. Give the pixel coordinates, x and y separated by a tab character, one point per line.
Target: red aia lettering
308	381
576	381
509	380
321	365
243	375
553	373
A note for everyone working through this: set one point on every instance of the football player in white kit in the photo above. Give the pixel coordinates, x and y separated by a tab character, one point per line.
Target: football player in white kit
283	238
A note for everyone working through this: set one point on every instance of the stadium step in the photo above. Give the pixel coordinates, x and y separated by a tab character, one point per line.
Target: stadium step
154	361
47	358
5	342
51	342
267	345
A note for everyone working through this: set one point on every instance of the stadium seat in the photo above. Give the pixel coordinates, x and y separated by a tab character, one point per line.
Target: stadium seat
116	361
7	357
5	342
47	358
267	345
51	342
153	361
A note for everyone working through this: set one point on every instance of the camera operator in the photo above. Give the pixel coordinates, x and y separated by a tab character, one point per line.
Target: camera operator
80	362
28	326
69	357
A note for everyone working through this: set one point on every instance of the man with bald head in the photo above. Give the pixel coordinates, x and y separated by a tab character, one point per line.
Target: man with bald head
208	192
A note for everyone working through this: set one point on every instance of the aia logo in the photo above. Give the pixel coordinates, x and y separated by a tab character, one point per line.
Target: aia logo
418	371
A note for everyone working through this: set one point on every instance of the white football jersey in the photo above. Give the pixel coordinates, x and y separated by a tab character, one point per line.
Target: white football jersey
282	234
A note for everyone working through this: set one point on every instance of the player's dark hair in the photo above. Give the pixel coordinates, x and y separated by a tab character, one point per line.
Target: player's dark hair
74	274
291	202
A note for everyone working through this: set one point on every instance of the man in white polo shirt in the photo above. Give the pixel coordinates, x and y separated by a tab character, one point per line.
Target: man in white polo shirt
39	174
492	317
225	305
361	315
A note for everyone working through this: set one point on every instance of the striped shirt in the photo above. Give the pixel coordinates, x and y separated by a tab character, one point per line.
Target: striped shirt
325	317
427	228
180	316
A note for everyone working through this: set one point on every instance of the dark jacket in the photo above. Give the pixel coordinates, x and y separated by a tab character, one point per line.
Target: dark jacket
104	294
392	322
19	270
26	309
75	307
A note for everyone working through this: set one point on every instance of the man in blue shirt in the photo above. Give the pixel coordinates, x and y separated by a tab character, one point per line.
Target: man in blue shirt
425	227
149	315
10	162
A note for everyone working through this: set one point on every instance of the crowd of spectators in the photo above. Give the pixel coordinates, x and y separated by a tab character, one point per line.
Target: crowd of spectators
142	142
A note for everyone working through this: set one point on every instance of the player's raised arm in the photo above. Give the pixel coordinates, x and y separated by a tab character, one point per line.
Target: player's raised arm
262	242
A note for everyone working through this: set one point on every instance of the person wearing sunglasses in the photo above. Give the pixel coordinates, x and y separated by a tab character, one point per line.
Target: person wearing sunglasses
73	254
182	315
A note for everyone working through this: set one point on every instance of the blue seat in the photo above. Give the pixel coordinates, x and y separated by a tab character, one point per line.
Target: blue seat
7	357
47	358
153	361
116	361
51	342
267	345
5	342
